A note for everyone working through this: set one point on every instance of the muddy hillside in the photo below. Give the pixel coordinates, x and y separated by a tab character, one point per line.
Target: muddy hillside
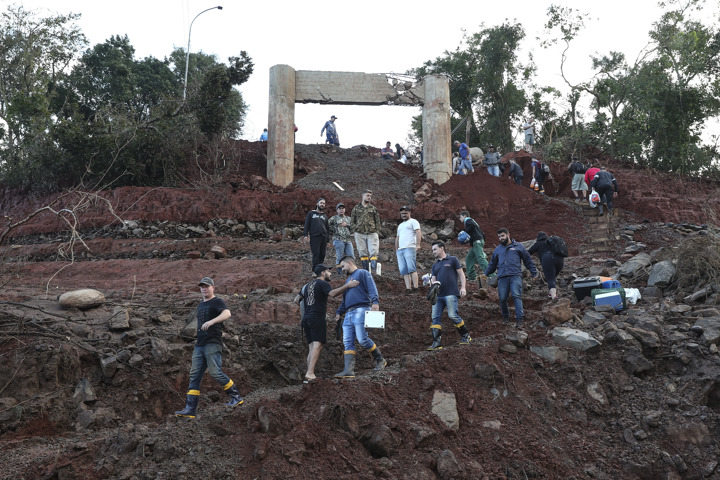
89	386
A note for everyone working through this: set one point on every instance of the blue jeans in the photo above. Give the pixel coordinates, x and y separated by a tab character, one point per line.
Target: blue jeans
465	163
406	260
494	170
510	286
208	357
451	302
342	249
354	329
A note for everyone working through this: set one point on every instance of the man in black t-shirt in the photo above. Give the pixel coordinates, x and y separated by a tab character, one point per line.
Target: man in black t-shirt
313	299
207	355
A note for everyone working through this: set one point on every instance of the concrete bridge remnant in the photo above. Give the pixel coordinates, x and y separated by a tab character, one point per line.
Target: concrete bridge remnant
289	86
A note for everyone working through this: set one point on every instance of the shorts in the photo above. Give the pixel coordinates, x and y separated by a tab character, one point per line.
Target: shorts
578	182
406	260
315	329
530	138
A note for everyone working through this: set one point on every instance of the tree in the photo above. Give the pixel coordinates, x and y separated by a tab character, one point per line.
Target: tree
485	82
35	53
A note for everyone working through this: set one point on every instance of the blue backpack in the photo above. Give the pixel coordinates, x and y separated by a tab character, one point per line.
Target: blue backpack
463	237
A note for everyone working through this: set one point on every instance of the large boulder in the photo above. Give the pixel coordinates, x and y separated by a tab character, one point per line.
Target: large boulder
573	338
557	312
634	265
83	299
710	329
661	274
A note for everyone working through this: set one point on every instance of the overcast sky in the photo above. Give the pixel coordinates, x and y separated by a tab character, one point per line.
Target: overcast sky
371	36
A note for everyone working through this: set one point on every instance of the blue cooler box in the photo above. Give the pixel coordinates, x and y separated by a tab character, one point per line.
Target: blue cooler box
611	284
615	297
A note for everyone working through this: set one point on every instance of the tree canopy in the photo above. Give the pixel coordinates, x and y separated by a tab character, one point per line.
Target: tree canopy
99	116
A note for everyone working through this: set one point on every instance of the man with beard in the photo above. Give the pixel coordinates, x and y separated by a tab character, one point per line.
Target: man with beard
365	221
316	232
507	259
313	301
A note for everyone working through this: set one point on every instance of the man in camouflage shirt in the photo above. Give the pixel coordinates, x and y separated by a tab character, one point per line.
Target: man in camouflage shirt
366	224
341	235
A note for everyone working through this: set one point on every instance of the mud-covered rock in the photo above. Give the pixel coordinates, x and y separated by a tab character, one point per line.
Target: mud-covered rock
83	299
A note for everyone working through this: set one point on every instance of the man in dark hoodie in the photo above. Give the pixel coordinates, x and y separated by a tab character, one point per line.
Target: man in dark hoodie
551	264
507	259
606	186
316	231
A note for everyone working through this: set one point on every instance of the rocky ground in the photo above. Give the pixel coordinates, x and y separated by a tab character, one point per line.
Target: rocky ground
581	392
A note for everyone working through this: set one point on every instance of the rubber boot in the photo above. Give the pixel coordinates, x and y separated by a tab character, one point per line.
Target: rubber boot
373	267
191	403
349	371
600	209
235	398
365	265
464	335
519	322
437	339
380	362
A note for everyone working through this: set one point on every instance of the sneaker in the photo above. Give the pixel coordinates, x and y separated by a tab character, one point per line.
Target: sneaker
578	200
408	291
465	340
506	320
519	323
416	289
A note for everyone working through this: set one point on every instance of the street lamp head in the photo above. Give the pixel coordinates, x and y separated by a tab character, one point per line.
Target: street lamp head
219	7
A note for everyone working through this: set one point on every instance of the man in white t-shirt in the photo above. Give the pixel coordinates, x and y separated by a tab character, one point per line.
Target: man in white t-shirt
407	242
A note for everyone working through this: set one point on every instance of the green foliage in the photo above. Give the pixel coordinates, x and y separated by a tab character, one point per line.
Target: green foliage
111	119
485	82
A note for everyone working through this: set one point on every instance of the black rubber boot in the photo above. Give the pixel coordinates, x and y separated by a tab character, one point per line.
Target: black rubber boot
373	267
380	362
191	403
519	322
464	335
365	265
437	339
349	371
235	398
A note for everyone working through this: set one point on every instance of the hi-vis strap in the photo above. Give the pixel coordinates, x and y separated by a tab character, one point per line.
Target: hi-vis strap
349	352
229	384
458	325
193	392
439	327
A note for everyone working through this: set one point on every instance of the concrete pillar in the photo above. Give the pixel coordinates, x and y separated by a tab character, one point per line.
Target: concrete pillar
281	126
436	128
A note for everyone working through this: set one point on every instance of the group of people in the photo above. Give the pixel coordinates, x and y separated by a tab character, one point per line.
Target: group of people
363	225
399	154
462	160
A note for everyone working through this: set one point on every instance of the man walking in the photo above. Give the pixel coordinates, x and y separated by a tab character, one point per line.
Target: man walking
492	161
316	232
357	301
606	186
407	241
207	355
341	232
465	160
446	271
476	255
578	182
314	297
365	221
331	132
515	172
507	259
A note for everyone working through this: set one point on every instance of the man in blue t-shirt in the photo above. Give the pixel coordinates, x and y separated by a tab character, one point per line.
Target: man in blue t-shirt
207	355
465	164
313	305
446	271
357	301
331	132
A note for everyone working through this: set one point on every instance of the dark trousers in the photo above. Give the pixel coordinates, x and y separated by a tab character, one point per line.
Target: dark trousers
318	245
551	266
606	195
518	180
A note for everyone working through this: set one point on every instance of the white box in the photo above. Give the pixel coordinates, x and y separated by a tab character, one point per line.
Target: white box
374	319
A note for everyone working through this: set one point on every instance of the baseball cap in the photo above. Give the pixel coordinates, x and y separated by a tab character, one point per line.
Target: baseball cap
405	207
339	205
319	268
206	281
333	116
320	200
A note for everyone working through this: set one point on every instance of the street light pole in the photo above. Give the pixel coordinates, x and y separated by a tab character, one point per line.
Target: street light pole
187	54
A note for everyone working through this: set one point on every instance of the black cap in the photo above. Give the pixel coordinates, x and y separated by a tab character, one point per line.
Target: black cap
206	281
333	116
405	207
339	205
319	268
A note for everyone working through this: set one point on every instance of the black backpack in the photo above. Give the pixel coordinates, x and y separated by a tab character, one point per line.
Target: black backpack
580	168
558	246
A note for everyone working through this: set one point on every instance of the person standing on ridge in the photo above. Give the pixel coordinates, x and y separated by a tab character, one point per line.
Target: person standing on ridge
331	132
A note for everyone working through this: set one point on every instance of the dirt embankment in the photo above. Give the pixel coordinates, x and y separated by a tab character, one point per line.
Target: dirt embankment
83	395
